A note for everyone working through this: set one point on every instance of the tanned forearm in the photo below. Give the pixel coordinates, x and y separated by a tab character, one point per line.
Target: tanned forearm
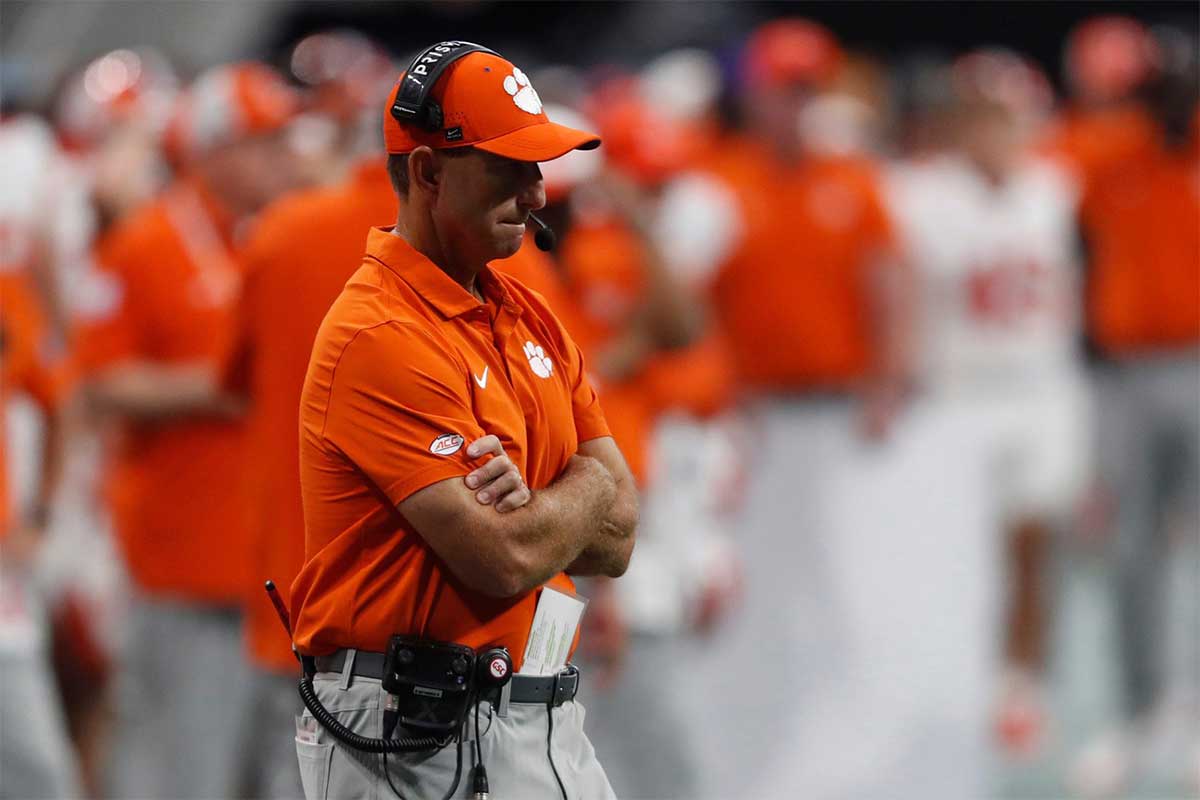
612	542
545	536
583	519
147	391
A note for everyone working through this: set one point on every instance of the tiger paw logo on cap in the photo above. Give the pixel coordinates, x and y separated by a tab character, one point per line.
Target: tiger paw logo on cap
522	92
539	362
484	101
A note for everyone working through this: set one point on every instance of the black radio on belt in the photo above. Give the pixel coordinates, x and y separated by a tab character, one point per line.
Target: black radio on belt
431	682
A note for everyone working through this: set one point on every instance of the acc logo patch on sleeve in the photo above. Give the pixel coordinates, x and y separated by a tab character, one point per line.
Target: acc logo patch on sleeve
446	445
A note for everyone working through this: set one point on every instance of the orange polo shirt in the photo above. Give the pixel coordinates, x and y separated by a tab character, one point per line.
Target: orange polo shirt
606	270
603	266
300	254
793	298
24	366
1092	141
698	379
166	289
408	367
1142	221
304	248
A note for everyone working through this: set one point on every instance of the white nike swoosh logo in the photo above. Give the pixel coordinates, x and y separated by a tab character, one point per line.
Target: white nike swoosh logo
481	381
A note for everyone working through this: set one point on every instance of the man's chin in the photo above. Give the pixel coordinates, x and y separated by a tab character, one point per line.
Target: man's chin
508	245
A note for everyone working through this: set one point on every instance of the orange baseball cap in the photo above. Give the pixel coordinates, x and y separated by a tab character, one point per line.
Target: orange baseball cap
227	103
487	103
791	51
647	145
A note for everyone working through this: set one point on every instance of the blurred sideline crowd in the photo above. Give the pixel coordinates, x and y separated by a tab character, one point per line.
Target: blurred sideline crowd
874	340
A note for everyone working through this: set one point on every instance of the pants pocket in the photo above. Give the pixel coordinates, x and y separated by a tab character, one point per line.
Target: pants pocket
314	768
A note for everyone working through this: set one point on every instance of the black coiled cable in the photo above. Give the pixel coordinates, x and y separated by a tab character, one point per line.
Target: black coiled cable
351	739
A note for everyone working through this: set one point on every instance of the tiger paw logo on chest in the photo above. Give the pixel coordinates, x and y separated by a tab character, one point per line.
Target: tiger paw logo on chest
539	362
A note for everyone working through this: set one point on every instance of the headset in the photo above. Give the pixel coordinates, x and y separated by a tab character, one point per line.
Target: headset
413	104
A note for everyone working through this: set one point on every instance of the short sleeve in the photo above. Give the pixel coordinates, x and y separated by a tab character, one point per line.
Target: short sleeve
400	409
28	366
104	320
585	404
46	383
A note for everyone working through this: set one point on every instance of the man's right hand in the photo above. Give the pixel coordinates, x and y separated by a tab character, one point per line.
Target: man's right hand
498	482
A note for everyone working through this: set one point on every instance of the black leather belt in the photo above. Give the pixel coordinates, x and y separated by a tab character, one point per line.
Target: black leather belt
524	689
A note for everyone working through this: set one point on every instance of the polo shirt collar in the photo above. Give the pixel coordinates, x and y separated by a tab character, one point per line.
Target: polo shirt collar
430	282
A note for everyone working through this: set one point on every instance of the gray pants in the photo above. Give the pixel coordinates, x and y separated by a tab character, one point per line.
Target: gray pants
643	722
1149	414
271	769
181	703
754	675
514	753
36	758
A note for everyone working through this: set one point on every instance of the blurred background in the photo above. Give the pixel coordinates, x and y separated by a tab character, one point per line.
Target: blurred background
894	309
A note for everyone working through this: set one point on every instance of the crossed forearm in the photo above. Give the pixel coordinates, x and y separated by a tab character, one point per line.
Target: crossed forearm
585	523
558	524
611	541
610	536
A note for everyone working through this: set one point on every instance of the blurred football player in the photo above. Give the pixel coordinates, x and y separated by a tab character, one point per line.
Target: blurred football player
36	759
149	341
998	339
1143	321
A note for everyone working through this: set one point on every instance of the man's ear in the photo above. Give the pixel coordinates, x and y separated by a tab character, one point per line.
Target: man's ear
424	170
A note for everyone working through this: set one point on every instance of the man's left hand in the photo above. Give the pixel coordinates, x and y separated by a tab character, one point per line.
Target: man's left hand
498	482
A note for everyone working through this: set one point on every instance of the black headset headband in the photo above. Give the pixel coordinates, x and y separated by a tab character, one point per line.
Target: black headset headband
413	106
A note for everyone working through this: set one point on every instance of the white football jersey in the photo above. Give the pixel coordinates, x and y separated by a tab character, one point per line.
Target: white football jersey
44	201
27	151
997	266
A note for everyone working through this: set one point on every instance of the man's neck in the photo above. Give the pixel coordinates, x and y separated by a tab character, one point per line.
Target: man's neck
421	234
227	206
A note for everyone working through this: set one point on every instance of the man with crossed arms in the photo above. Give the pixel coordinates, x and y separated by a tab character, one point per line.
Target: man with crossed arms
454	457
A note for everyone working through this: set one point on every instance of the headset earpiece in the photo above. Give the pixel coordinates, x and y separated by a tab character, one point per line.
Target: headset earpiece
413	105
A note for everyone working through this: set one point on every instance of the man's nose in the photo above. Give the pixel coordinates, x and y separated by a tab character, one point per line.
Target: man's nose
533	194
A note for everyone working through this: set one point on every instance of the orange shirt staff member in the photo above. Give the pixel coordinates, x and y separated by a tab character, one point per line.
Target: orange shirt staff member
159	315
454	459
